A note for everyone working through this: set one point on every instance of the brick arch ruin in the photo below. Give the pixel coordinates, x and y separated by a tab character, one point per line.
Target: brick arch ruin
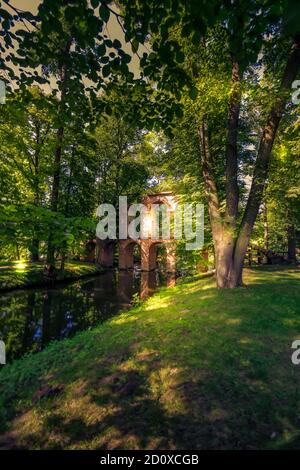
148	247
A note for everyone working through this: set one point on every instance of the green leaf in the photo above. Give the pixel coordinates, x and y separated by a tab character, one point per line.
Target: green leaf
134	45
117	44
106	70
193	93
104	13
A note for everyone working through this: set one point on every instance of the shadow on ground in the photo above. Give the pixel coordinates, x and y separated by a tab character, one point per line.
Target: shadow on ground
195	368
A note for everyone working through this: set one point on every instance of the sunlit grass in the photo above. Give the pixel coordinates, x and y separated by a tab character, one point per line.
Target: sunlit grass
191	368
22	273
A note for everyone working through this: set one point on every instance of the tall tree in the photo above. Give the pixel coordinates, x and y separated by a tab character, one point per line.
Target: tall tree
249	25
69	49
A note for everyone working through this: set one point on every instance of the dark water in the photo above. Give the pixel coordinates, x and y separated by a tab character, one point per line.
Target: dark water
29	319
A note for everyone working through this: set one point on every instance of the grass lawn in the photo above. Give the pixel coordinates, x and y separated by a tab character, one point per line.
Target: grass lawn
191	368
19	274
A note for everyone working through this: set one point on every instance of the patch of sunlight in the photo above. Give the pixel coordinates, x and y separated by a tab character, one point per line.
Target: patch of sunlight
245	341
290	322
146	355
164	378
260	386
217	414
166	385
123	319
156	305
290	435
245	362
21	265
233	321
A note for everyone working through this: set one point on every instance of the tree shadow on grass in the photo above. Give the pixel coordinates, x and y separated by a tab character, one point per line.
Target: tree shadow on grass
235	387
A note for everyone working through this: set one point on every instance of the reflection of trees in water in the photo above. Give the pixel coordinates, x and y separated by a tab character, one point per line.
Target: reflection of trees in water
30	319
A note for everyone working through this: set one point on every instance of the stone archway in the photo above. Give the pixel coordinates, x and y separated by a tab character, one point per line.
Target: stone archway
106	251
126	253
148	247
148	254
170	255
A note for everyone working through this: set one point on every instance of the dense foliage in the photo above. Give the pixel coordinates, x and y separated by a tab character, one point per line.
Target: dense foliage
190	96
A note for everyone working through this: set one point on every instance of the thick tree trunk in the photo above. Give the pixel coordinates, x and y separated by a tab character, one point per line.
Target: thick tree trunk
230	250
213	201
262	163
223	229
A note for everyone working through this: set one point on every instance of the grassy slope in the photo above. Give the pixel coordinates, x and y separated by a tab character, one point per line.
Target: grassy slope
191	368
14	276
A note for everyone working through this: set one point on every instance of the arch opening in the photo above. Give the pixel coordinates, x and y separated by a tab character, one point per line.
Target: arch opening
130	254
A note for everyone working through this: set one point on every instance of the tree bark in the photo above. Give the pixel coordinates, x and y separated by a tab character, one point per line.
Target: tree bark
223	229
262	163
230	248
266	227
35	240
212	199
291	233
232	189
58	149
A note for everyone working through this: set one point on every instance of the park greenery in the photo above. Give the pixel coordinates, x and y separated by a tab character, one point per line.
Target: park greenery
192	368
115	97
207	113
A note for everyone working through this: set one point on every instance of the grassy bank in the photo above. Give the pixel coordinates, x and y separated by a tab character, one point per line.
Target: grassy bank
19	275
191	368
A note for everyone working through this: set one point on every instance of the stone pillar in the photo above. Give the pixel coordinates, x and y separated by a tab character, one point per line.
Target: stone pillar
106	253
171	280
126	260
148	284
148	255
171	257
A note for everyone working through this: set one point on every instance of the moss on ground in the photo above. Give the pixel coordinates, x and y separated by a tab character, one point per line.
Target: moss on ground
191	368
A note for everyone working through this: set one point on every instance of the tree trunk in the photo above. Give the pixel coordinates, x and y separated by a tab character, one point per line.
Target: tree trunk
262	163
35	246
232	189
266	233
230	249
223	229
58	150
291	232
266	227
213	202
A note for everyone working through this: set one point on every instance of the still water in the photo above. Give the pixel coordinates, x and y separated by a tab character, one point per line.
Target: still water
29	319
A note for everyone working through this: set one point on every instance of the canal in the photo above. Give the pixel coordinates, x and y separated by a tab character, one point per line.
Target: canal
31	318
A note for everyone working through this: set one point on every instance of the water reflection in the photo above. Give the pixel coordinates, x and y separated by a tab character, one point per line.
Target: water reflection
29	319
